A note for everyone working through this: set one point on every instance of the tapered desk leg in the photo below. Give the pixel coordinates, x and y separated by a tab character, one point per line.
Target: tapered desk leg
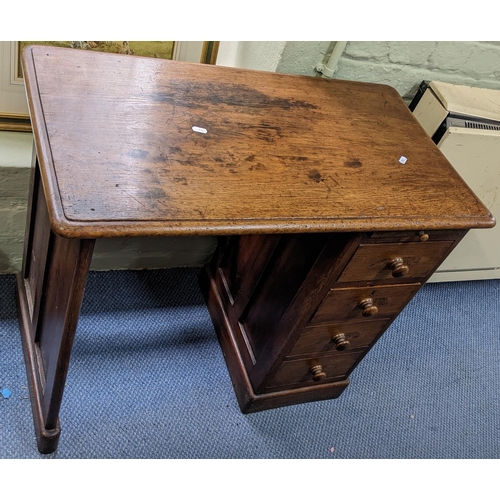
49	293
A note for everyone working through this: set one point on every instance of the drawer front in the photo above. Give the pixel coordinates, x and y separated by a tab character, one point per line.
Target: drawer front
315	370
337	337
363	303
407	236
394	260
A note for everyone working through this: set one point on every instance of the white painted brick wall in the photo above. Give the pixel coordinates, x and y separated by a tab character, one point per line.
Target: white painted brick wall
403	65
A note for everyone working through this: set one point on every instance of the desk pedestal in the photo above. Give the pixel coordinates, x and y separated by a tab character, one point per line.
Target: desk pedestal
295	314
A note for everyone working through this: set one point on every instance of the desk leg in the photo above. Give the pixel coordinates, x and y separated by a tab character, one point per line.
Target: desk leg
49	293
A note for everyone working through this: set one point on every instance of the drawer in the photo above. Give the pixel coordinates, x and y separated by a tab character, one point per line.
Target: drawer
406	236
315	370
363	303
337	337
384	261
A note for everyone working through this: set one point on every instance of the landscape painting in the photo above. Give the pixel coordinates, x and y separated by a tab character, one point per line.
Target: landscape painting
163	50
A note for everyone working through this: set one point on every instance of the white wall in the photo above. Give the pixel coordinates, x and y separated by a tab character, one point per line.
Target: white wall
403	65
15	160
263	56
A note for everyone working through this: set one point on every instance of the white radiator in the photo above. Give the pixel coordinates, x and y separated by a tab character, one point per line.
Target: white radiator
464	122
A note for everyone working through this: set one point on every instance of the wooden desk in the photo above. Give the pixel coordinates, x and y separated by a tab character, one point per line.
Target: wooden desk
332	204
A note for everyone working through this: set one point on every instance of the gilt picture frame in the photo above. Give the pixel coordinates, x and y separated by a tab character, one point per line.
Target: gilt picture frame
14	114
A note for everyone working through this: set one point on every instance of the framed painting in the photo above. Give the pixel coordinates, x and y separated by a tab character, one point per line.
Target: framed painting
14	114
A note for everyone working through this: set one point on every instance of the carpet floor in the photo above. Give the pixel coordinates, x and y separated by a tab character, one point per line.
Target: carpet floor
147	379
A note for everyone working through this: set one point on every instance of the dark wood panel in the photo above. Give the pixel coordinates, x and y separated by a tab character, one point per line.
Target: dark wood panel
30	214
330	262
343	304
244	260
67	266
378	261
47	439
285	274
37	242
248	400
281	153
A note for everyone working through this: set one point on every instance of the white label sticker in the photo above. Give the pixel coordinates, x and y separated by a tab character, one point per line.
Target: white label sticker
403	160
199	130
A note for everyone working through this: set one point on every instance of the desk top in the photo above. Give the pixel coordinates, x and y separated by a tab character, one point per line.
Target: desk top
133	146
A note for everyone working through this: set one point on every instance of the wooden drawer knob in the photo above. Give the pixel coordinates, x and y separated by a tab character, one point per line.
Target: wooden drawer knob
318	373
368	308
340	342
399	268
423	236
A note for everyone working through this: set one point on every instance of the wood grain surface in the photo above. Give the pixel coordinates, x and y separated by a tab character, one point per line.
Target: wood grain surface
134	146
